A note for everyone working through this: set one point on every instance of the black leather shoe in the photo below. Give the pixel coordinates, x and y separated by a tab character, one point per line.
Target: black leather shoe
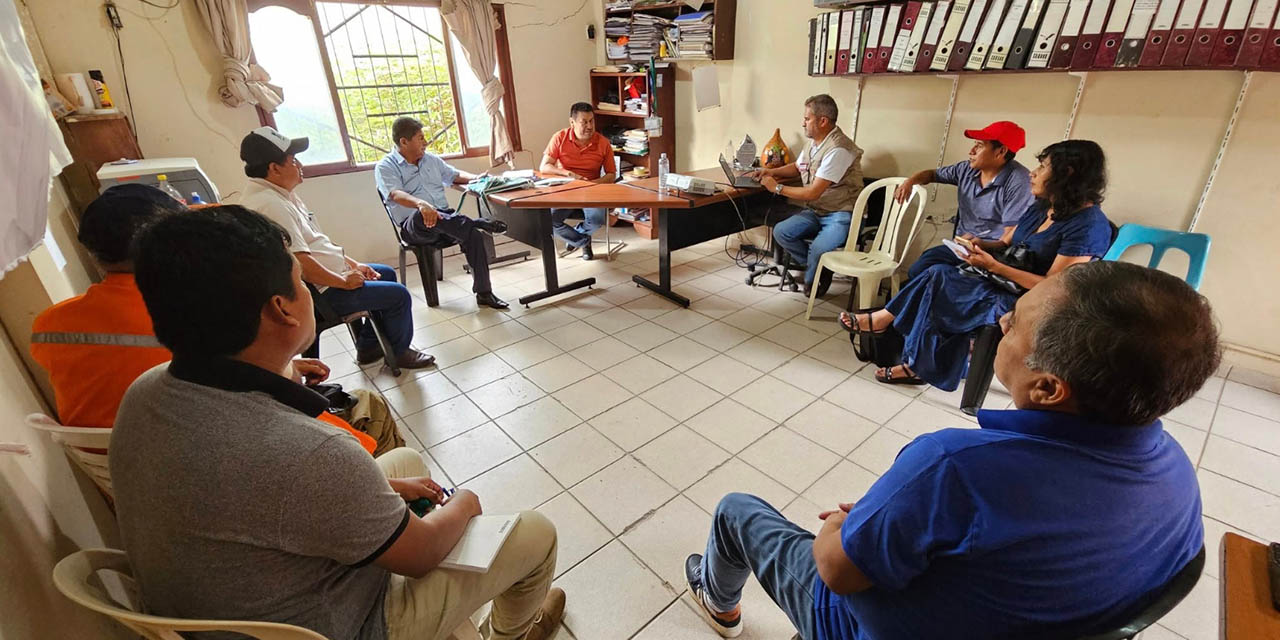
586	252
487	299
368	357
414	359
491	226
824	281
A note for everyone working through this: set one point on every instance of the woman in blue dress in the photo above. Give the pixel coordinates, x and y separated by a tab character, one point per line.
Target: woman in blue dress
938	311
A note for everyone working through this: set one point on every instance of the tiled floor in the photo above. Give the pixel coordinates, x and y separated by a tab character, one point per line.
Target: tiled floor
625	419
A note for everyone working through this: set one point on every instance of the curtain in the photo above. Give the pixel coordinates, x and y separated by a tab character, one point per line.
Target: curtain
245	81
474	24
33	152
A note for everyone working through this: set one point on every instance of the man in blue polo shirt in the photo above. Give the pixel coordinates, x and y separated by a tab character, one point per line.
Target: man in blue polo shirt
1056	519
992	189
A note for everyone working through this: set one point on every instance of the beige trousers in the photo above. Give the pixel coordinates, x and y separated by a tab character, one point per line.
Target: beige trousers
433	606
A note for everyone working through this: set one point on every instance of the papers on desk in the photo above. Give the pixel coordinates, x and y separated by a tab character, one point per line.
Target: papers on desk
552	182
480	543
520	174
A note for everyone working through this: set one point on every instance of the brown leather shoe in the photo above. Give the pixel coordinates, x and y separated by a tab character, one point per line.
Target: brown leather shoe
414	359
368	357
548	618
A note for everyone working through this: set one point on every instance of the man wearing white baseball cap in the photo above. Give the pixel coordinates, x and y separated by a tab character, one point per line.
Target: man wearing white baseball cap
348	285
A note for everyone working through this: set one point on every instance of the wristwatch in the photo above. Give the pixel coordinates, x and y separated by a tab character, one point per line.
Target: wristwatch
777	189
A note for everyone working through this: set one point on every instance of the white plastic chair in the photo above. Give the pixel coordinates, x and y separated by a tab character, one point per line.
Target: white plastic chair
72	440
72	576
871	267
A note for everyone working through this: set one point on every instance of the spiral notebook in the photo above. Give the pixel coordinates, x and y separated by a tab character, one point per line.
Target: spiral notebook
480	543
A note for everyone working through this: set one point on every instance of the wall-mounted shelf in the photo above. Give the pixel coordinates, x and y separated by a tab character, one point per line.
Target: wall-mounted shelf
724	15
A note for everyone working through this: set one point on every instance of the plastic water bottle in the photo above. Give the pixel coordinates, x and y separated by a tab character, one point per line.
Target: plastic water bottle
168	188
195	198
664	167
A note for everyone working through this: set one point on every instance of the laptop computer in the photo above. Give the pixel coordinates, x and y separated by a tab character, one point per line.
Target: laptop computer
740	180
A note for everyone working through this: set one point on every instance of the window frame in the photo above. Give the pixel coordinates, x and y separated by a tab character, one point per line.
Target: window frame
307	8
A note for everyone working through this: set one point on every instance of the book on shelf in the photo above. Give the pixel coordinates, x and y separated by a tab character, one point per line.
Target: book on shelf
968	33
914	43
1064	47
1112	33
932	34
1022	42
1003	41
950	36
1256	34
1158	35
902	40
1047	34
986	35
1129	52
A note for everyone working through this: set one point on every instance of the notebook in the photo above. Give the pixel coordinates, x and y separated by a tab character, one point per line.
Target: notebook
480	543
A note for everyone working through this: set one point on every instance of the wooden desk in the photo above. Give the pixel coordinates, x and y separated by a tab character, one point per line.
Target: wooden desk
1246	612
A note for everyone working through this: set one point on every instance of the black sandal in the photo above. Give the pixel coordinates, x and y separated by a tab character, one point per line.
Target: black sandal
854	327
885	376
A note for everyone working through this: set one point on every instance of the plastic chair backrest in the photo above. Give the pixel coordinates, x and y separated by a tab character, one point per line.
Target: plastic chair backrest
1195	245
895	215
72	439
73	574
386	208
1169	595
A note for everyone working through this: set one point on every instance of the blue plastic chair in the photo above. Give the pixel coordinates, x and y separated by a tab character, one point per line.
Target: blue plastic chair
1195	245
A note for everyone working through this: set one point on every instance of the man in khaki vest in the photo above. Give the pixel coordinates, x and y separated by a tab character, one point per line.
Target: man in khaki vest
830	169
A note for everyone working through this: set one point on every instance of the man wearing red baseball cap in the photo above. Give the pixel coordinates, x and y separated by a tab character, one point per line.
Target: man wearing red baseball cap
993	190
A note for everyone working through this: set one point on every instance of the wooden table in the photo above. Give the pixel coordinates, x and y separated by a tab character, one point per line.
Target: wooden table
1246	612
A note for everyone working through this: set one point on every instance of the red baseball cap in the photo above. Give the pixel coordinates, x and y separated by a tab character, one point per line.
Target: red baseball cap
1006	133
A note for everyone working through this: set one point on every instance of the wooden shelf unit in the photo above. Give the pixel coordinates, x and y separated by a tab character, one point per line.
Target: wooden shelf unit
605	82
724	15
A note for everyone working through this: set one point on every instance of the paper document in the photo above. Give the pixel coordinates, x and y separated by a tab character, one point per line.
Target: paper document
706	87
480	543
522	174
956	248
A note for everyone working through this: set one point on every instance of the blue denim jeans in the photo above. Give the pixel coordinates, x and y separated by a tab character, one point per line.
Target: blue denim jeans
826	233
384	298
580	234
931	256
750	536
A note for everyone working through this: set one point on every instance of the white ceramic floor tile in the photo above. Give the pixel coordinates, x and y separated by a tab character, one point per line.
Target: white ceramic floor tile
794	336
681	397
773	398
879	451
1196	617
526	353
762	620
832	427
546	319
836	351
713	283
1212	389
724	374
604	353
650	307
640	373
456	351
681	457
578	533
591	397
444	420
805	513
613	321
682	353
719	336
611	576
429	336
573	335
1157	632
500	335
648	335
811	375
1240	505
515	485
736	476
505	395
789	458
486	317
1194	413
783	306
919	418
474	452
1247	428
478	372
1253	378
1191	440
417	394
663	540
682	321
622	493
753	321
761	354
588	303
1243	463
633	423
623	293
557	373
870	400
731	425
538	422
1251	399
847	482
575	454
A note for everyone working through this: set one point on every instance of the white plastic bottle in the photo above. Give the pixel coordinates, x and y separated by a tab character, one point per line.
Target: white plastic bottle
168	188
664	167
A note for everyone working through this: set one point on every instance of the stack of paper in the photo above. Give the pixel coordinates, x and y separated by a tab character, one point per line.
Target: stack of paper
616	30
638	106
613	5
694	35
646	34
636	142
480	543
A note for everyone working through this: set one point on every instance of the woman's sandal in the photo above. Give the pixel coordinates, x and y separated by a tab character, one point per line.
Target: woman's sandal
885	375
853	328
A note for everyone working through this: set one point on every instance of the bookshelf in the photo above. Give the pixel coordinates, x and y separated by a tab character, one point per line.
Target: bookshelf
724	15
605	84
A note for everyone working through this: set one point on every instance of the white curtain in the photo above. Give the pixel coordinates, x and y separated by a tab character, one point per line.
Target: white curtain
33	152
245	81
474	24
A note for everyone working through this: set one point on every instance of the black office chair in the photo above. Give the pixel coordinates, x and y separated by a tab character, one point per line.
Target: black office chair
1168	597
430	257
327	318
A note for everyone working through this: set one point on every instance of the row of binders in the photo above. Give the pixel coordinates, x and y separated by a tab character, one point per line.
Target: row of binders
973	35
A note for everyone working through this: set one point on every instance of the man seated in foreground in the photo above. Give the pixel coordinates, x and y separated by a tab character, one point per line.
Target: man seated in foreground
580	152
1056	519
271	162
94	345
411	182
235	503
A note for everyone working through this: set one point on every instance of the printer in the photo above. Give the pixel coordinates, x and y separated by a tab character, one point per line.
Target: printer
184	174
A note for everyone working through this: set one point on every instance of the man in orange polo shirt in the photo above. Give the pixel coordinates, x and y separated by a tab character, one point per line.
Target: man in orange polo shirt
95	345
579	152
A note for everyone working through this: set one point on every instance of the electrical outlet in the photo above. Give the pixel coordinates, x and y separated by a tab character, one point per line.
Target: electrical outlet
113	15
